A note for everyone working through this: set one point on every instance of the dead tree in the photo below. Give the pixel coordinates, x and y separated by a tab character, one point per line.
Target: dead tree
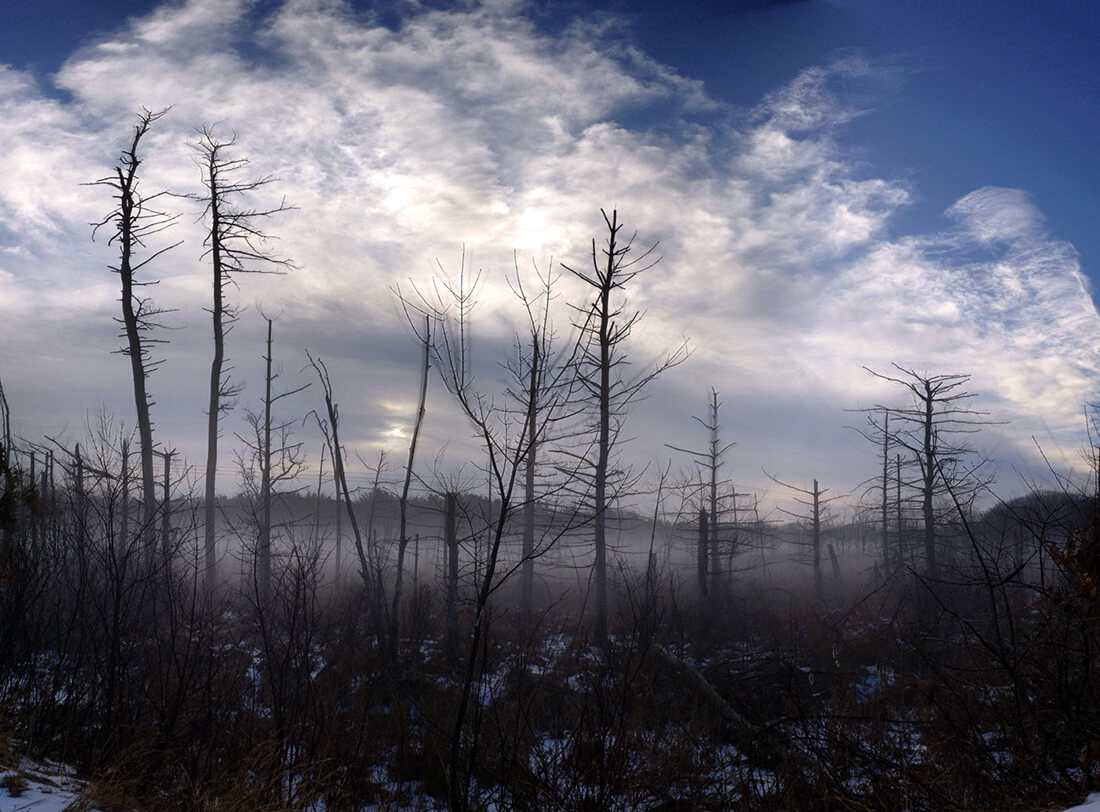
166	504
450	540
886	497
277	464
811	498
132	221
877	431
9	482
604	326
330	428
701	548
710	461
425	337
503	429
235	244
931	429
536	371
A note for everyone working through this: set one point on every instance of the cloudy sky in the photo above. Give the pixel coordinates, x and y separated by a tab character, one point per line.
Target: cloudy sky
832	186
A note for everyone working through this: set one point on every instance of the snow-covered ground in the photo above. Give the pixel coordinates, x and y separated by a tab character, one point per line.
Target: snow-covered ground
51	788
37	788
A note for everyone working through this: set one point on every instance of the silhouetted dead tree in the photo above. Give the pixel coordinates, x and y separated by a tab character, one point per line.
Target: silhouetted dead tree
133	220
886	489
536	369
277	465
235	244
929	429
9	483
812	499
330	428
601	362
710	461
507	432
424	335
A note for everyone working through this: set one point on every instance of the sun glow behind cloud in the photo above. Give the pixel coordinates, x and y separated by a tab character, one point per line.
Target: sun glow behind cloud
471	128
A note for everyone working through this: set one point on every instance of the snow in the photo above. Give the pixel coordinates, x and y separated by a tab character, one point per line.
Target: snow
1091	804
45	788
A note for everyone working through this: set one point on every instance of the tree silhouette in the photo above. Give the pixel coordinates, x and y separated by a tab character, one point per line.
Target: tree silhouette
601	368
235	244
931	430
133	220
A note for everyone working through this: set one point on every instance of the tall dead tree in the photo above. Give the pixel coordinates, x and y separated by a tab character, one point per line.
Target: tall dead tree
236	244
278	463
605	325
931	429
133	220
711	461
886	498
536	371
527	574
425	337
9	483
330	428
877	431
166	504
503	429
450	540
702	545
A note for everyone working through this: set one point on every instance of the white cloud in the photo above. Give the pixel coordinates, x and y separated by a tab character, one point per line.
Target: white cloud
472	127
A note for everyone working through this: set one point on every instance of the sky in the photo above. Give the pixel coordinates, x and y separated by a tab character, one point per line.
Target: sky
833	184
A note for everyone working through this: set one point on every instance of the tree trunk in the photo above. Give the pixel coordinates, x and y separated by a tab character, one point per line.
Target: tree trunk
124	532
818	585
527	573
932	568
263	545
885	495
900	545
133	221
340	535
450	536
166	508
603	442
214	404
715	553
701	551
403	537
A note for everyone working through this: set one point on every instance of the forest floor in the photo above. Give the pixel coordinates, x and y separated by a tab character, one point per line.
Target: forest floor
53	788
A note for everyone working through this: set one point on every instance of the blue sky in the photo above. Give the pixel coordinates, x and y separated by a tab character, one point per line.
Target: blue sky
834	184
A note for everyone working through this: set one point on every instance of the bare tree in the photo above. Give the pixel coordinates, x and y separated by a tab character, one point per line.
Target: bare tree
424	336
537	370
877	431
507	430
132	221
236	244
931	430
710	461
9	482
811	498
330	428
601	364
277	465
